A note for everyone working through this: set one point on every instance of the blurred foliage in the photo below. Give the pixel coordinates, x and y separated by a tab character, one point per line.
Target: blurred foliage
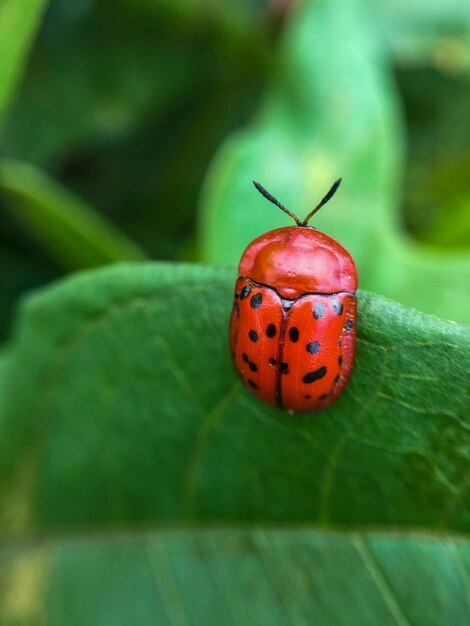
130	113
128	116
120	410
74	234
18	22
437	185
312	129
119	407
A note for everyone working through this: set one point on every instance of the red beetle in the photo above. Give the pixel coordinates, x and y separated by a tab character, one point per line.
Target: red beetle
292	331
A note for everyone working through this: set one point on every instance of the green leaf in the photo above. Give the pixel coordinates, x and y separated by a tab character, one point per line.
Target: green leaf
331	111
239	577
90	94
120	409
3	367
19	20
71	232
121	404
311	130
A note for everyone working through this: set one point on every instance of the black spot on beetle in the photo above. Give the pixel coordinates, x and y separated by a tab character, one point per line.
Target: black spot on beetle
313	347
307	397
284	368
252	384
316	375
319	310
270	331
245	292
323	396
294	334
272	361
245	357
256	300
336	306
340	361
349	324
253	335
252	366
337	379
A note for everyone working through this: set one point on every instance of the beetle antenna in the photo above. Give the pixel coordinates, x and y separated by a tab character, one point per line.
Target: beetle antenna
323	201
272	199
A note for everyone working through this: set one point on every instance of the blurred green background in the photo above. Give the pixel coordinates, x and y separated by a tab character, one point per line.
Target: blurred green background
130	104
140	483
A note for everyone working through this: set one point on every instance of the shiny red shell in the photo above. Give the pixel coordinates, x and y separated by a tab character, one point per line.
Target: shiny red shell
293	324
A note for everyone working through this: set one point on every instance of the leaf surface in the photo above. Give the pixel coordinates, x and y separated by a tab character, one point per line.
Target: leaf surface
121	416
121	404
267	577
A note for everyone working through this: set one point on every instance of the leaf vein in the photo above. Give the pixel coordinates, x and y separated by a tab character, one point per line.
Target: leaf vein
200	444
341	443
380	580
